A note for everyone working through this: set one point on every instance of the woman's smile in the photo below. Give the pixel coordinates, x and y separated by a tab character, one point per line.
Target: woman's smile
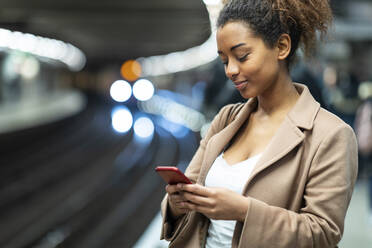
240	85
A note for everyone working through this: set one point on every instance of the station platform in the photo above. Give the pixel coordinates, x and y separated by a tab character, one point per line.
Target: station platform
62	104
40	110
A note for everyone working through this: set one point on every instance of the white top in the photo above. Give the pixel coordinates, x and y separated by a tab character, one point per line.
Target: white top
233	177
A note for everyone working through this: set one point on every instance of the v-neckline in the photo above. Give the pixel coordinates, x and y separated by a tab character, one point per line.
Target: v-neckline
241	162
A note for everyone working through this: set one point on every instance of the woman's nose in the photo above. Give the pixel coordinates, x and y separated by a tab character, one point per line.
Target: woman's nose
231	70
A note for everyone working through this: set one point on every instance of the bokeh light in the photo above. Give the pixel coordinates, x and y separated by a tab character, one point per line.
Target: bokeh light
144	127
131	70
58	50
173	112
121	91
176	129
30	68
330	76
143	90
122	119
212	2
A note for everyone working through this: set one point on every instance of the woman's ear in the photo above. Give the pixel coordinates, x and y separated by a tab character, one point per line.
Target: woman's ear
284	46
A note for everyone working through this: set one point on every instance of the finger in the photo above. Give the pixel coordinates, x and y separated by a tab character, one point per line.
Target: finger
197	199
172	189
195	207
195	188
179	206
176	198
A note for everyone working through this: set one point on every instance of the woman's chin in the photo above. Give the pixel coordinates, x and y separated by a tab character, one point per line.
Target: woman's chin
246	94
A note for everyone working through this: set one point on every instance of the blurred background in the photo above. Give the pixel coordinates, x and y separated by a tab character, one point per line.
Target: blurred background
95	94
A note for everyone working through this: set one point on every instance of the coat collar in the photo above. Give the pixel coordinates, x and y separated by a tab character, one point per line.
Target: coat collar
305	110
287	137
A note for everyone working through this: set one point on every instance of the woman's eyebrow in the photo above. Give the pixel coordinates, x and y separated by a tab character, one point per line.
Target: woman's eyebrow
232	48
236	46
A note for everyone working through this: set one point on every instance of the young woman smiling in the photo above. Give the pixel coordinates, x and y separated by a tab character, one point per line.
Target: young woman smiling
278	170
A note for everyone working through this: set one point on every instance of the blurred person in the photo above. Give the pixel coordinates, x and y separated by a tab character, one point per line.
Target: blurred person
344	98
301	73
363	129
278	170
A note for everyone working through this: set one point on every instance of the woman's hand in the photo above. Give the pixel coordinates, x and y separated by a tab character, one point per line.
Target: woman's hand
176	200
215	203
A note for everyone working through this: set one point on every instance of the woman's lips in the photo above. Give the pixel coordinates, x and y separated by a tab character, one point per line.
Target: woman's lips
240	85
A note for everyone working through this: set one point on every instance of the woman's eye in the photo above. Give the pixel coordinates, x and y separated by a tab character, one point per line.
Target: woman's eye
224	62
241	59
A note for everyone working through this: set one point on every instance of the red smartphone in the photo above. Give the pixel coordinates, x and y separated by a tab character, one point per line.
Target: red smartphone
172	175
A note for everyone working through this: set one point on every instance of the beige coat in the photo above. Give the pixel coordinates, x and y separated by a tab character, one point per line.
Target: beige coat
299	190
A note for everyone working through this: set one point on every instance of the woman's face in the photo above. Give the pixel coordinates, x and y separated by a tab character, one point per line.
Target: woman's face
249	62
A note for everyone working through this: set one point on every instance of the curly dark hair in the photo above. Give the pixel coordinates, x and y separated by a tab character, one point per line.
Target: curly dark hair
269	19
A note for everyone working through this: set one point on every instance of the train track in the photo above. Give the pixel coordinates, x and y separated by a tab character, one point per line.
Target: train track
77	183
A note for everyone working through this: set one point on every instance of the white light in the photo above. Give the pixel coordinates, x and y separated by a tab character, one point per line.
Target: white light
120	91
66	53
11	67
174	62
174	112
144	127
212	2
29	43
5	37
143	90
30	68
180	61
122	120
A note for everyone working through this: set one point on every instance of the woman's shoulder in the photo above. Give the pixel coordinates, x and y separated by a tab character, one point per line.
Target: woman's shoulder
327	123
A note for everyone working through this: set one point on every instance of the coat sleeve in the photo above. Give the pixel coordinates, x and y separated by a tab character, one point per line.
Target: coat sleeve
320	221
171	227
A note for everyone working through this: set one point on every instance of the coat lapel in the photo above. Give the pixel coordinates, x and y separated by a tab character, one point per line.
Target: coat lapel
289	135
286	138
220	140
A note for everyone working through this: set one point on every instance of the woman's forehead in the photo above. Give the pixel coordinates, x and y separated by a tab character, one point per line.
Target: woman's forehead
233	33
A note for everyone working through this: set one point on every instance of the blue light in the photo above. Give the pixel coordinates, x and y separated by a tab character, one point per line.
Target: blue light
177	130
144	127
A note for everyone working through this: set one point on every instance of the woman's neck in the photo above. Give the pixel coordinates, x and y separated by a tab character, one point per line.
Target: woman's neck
278	99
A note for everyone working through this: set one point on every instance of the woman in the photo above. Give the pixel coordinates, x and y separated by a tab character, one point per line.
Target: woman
277	171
